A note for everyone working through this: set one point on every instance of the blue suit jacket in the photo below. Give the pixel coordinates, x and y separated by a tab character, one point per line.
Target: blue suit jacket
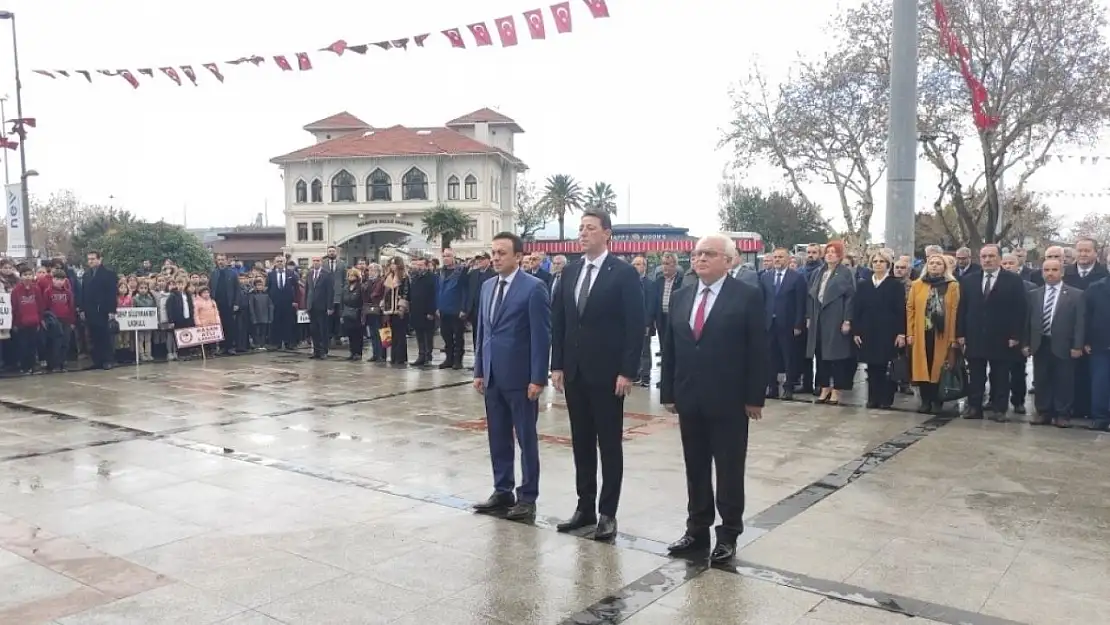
513	348
785	309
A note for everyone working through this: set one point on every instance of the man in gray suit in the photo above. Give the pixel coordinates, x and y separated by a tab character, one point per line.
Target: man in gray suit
1055	340
320	301
338	269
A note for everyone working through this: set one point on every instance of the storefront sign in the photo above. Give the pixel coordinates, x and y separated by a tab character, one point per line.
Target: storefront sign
202	335
390	222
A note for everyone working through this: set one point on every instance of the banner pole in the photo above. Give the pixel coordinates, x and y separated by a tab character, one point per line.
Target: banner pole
136	348
203	355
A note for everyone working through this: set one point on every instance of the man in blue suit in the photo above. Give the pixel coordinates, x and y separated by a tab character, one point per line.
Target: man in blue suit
784	297
510	370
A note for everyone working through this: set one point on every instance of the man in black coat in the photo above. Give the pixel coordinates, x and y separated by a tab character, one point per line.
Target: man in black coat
714	376
1085	272
597	332
477	276
784	296
320	301
99	290
422	308
224	283
990	324
281	285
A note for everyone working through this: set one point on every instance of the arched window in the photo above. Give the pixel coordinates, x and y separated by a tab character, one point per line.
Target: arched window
471	187
343	187
379	187
301	190
317	191
414	185
453	188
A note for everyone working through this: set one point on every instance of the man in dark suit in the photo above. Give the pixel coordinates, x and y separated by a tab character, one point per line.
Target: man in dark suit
650	298
990	324
99	290
338	269
784	296
319	300
1019	383
224	283
532	267
668	282
597	323
510	370
1085	272
474	281
714	376
964	266
1056	336
422	311
281	285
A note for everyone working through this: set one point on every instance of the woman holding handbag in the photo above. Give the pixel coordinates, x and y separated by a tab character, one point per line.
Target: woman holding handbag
879	327
931	329
395	312
375	291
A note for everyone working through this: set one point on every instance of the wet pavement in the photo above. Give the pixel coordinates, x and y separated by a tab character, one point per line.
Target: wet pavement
270	488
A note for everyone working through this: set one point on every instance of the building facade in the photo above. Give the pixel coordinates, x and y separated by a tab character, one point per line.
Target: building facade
362	188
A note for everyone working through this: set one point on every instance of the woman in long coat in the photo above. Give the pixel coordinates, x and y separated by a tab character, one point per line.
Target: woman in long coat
931	328
829	324
879	326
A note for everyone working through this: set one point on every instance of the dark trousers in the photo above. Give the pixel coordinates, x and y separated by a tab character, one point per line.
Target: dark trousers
1018	382
356	335
509	411
880	390
453	331
229	321
101	349
977	384
284	327
318	323
399	352
473	330
425	340
1055	380
832	373
930	393
783	350
373	328
1081	408
58	346
27	347
261	334
596	422
243	330
709	443
1100	386
645	359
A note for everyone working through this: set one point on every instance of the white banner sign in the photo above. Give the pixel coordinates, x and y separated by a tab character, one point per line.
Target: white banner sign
192	337
134	319
5	311
302	316
14	217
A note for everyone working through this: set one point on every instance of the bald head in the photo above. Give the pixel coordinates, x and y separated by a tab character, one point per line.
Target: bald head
1052	271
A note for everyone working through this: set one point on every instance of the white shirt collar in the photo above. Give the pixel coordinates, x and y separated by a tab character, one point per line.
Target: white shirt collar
509	278
595	262
714	288
876	280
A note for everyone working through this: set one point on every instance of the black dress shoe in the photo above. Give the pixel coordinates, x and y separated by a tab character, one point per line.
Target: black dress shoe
723	552
688	544
522	511
787	395
606	528
496	502
578	520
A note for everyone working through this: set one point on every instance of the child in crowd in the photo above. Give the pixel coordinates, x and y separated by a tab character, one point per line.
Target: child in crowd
62	305
207	313
164	335
28	306
144	299
123	339
181	311
261	309
243	328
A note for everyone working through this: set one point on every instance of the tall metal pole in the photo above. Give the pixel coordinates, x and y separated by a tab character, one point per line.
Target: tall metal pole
901	169
4	135
22	145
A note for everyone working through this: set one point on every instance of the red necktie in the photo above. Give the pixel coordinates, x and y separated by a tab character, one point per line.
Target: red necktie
699	316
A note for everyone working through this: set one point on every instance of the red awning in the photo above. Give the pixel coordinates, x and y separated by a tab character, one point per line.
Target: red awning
636	247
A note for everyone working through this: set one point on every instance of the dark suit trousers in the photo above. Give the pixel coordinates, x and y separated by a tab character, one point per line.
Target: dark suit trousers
596	422
509	411
282	330
453	331
783	351
723	444
880	390
230	326
1055	380
1081	409
1018	382
319	322
977	383
425	340
101	350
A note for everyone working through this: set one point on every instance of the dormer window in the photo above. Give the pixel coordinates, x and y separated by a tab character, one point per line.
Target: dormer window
301	192
414	185
453	188
317	191
343	187
471	187
379	186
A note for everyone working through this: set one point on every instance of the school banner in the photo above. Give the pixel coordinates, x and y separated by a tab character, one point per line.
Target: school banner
5	311
137	319
195	337
16	227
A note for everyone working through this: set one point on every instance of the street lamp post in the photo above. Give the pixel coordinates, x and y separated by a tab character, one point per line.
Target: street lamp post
902	121
23	173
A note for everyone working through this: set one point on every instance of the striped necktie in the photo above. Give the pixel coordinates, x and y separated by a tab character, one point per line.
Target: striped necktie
1049	306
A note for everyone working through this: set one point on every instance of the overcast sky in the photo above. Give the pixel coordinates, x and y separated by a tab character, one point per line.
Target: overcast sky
638	100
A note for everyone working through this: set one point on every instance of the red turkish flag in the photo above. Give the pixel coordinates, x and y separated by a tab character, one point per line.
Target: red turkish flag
598	8
535	23
338	47
303	62
8	143
189	73
215	69
172	73
128	76
506	29
481	34
455	37
283	63
419	39
561	13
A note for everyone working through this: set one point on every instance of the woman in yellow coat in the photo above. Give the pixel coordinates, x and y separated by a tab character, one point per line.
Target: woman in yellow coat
931	328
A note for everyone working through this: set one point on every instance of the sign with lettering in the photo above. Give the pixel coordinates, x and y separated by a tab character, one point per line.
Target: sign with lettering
5	311
388	221
17	248
137	319
302	316
201	335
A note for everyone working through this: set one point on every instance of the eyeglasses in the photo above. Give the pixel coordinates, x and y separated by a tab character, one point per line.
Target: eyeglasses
706	254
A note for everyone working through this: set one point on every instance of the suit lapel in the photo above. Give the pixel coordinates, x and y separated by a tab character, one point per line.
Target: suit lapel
718	308
510	293
571	285
681	313
602	279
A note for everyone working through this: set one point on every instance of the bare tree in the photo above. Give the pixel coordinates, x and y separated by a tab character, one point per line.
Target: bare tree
1094	225
531	215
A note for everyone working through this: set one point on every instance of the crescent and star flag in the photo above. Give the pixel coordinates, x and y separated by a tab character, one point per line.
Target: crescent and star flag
303	62
128	76
283	63
506	29
454	37
419	39
172	73
561	13
535	23
8	143
189	73
598	8
215	69
338	47
481	34
29	122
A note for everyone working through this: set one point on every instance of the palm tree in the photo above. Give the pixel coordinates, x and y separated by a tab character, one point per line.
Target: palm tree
562	195
446	222
601	197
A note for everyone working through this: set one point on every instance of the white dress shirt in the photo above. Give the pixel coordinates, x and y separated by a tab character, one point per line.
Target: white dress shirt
993	275
714	290
597	262
1057	290
497	285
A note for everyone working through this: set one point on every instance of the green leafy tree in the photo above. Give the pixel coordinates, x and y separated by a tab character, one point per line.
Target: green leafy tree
561	196
446	222
94	226
601	197
783	220
126	246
